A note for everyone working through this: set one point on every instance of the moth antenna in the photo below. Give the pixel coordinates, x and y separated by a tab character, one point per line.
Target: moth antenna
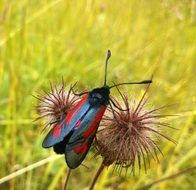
106	64
127	83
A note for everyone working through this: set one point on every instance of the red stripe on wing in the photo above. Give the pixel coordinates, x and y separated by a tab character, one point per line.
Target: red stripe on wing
95	122
82	148
75	109
78	124
56	130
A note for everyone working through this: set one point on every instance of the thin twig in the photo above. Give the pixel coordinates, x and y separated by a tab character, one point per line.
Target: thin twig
187	170
67	179
29	168
99	171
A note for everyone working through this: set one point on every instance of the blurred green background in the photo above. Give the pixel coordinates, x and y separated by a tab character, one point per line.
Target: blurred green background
41	41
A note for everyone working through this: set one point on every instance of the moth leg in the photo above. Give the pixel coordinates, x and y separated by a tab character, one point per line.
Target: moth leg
77	94
117	106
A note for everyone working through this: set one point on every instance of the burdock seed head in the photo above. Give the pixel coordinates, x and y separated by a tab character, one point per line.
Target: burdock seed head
129	137
54	104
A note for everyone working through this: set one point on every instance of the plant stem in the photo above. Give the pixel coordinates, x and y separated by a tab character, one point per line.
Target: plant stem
182	172
29	168
67	179
99	171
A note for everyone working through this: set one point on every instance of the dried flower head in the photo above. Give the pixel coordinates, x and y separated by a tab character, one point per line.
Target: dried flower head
129	136
55	104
